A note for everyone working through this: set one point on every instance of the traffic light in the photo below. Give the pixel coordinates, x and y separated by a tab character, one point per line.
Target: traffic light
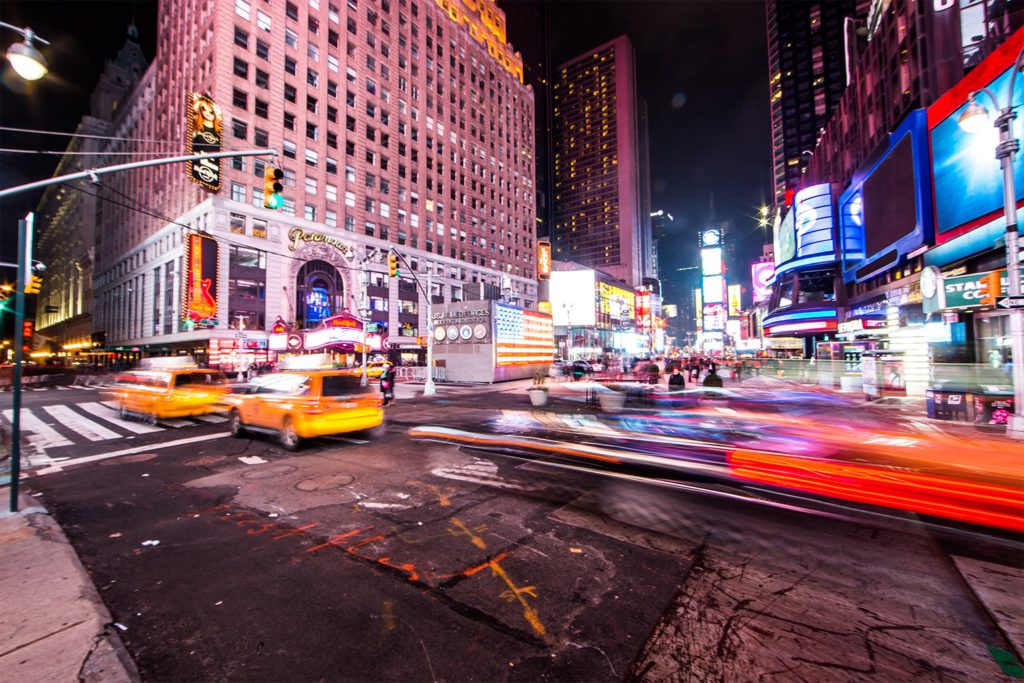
993	288
393	270
272	187
34	285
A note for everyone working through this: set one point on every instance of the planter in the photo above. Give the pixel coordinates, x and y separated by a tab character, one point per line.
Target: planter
612	401
538	397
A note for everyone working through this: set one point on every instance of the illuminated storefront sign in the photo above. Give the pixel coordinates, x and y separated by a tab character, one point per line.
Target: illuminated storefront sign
297	236
204	135
816	320
714	317
199	306
339	330
522	337
735	300
804	238
961	291
543	259
761	275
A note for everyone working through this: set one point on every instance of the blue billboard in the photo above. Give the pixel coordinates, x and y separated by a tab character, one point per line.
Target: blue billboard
968	177
806	236
886	212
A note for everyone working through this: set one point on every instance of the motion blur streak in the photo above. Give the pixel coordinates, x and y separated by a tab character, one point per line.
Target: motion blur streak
977	503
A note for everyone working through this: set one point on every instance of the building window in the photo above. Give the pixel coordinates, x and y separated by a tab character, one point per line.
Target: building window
241	68
311	158
237	223
350	199
310	185
331	218
288	207
242	9
241	38
257	197
238	163
290	93
260	138
411	307
289	121
262	79
350	223
288	149
291	39
262	50
247	284
262	21
290	66
259	228
310	212
369	228
330	193
312	132
261	108
291	11
237	192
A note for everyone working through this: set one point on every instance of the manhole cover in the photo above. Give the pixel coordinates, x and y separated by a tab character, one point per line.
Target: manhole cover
329	481
268	472
206	460
141	457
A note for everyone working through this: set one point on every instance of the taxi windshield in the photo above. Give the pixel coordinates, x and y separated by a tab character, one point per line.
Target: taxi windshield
283	383
343	385
198	378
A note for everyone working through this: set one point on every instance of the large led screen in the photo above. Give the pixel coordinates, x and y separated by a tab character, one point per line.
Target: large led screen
714	289
711	261
572	297
785	240
814	221
967	175
761	275
890	206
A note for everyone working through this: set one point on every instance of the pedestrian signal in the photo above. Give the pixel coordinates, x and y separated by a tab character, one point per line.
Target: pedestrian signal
34	285
272	187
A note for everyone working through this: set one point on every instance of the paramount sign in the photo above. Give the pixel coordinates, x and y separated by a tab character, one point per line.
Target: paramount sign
297	236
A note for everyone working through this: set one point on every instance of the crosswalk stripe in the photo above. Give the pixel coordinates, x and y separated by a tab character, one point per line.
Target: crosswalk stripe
212	419
104	413
63	388
176	423
80	424
40	434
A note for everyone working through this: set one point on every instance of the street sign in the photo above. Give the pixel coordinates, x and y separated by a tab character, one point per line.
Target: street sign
1011	302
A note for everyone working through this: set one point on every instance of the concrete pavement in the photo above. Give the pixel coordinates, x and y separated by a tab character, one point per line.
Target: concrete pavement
53	625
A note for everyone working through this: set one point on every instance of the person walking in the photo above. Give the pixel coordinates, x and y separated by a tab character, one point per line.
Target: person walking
387	384
713	380
676	382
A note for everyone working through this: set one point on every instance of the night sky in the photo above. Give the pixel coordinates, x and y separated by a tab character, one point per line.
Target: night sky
702	68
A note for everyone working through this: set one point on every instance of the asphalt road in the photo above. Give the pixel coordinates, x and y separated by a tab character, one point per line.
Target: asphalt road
390	559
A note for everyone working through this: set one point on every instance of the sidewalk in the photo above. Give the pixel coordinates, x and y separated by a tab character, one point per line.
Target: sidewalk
53	625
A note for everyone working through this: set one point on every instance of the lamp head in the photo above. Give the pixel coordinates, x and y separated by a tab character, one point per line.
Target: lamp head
974	118
27	61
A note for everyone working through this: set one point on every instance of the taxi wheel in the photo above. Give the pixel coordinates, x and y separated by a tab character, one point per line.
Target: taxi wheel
235	424
289	437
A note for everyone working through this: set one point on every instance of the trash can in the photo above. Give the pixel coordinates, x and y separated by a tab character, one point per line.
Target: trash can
992	405
948	401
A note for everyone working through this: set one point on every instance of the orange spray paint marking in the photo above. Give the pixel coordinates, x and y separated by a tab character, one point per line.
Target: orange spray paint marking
516	593
296	532
463	530
442	496
335	541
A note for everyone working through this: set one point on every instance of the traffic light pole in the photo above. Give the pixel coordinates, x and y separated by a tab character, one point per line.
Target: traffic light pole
24	275
429	388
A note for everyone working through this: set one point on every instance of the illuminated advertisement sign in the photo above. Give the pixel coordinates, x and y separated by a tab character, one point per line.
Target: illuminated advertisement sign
543	259
698	299
615	303
735	300
199	307
887	211
341	330
203	135
711	261
643	311
805	236
801	322
572	297
714	289
761	274
522	337
714	317
968	177
298	236
712	237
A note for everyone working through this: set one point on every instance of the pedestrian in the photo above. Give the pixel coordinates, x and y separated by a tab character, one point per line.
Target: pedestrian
712	380
676	382
387	384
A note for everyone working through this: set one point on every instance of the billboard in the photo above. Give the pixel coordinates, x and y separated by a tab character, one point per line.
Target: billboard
698	299
711	261
199	295
887	211
203	134
714	317
543	259
761	275
573	297
735	300
615	304
714	289
644	321
805	236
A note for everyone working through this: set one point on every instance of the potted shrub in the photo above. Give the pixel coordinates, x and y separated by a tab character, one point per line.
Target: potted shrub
539	392
612	398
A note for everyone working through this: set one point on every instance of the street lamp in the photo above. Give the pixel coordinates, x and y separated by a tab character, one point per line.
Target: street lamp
972	121
24	57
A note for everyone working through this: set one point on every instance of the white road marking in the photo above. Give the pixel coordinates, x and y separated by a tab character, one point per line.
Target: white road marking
63	388
79	424
40	434
212	419
102	412
59	467
177	424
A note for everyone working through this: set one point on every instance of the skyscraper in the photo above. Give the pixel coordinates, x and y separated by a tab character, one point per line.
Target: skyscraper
401	124
601	170
808	43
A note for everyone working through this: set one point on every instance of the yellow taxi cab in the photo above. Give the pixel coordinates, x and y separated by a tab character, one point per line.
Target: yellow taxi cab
302	404
376	368
163	391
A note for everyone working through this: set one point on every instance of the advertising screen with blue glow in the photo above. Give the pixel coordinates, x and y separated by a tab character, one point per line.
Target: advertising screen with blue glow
887	211
968	178
318	304
805	237
714	289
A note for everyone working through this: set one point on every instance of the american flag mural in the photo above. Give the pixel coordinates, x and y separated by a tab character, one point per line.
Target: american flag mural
522	337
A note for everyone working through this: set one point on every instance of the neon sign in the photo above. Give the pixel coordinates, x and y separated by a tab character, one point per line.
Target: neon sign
199	308
204	135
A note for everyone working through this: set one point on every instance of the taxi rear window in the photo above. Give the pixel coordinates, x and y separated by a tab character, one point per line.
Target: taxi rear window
342	385
159	381
204	378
